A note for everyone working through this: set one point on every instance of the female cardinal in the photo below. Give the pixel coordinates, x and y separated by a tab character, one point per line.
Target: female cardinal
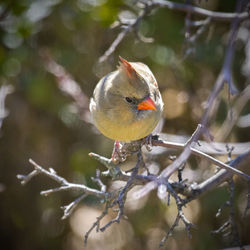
126	103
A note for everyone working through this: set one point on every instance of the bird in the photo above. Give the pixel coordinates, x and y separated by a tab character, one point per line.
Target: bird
126	104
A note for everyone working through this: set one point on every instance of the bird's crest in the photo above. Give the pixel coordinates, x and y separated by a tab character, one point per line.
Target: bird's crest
127	67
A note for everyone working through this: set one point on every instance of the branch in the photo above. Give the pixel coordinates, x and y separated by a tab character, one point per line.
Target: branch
137	179
188	149
221	176
70	208
233	116
225	75
96	224
171	142
64	184
180	215
148	6
123	193
167	172
190	191
119	196
151	181
67	84
128	28
214	15
197	153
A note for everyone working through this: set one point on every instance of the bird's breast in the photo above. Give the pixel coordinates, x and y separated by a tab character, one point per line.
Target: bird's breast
124	127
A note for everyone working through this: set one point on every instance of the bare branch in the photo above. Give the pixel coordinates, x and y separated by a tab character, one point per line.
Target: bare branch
65	185
117	199
67	84
136	179
120	199
113	168
217	16
229	228
220	177
176	142
146	10
222	228
170	231
70	208
96	224
119	196
200	154
148	6
225	75
233	117
200	31
180	215
122	195
98	181
167	172
26	178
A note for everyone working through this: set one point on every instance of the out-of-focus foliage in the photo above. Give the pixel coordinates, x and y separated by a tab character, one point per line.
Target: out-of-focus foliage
42	125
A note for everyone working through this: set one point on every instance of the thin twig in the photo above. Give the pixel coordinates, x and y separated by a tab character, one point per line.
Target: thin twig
122	195
231	120
70	208
170	231
225	74
134	179
146	10
199	153
216	16
96	224
167	172
180	215
177	142
150	5
222	228
218	178
170	169
200	31
67	84
98	181
64	184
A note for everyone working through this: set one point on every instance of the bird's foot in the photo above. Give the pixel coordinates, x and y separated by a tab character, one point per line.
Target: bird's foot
147	141
118	154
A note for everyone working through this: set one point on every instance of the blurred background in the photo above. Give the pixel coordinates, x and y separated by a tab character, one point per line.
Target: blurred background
42	41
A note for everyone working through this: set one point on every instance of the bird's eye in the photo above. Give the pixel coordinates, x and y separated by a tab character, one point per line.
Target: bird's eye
128	99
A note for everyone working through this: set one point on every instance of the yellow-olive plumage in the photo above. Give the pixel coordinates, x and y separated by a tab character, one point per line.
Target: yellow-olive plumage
126	103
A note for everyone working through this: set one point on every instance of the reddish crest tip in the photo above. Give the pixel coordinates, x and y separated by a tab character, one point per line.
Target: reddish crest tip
127	67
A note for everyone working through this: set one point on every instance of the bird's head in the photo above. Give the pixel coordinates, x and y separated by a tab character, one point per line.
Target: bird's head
136	85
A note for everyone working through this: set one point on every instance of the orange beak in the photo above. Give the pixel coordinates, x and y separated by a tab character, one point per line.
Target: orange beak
146	104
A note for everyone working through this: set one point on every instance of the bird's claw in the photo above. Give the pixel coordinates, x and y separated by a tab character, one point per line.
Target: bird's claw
118	155
147	141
